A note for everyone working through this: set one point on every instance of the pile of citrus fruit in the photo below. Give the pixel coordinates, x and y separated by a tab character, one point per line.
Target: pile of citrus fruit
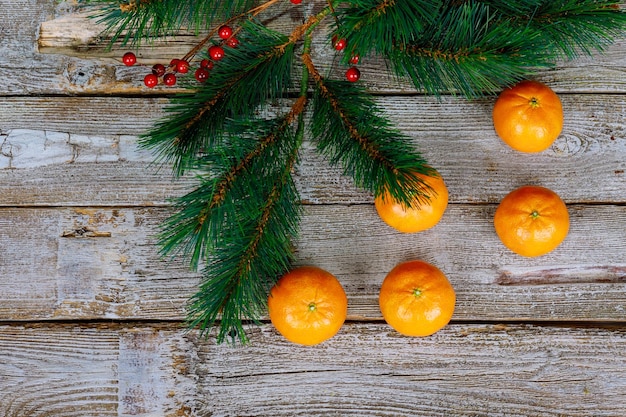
308	305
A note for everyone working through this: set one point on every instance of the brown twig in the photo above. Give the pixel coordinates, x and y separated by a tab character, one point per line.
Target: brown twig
365	144
227	179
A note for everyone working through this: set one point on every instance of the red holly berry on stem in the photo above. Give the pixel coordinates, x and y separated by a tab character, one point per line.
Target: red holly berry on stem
129	59
182	66
354	59
174	63
296	1
353	74
151	80
202	74
339	44
169	79
206	63
232	42
216	52
225	32
158	70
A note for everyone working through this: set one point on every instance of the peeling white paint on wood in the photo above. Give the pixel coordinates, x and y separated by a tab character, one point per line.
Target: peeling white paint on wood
31	149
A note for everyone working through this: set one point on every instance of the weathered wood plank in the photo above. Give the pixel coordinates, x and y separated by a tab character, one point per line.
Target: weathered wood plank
29	73
80	143
20	21
103	263
93	371
76	35
79	66
366	370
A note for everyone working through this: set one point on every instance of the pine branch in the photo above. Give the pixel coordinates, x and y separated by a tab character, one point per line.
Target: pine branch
197	225
476	47
350	130
250	76
255	247
132	21
375	25
574	27
471	51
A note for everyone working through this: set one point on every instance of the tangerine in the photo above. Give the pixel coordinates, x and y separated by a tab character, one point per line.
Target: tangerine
528	116
416	298
531	221
420	216
307	305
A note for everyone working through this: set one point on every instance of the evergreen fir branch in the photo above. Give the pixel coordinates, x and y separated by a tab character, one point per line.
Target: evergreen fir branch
251	75
131	21
375	25
471	51
254	248
197	224
574	27
350	130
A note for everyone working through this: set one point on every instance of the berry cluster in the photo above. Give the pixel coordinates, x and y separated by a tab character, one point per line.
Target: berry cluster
352	74
168	75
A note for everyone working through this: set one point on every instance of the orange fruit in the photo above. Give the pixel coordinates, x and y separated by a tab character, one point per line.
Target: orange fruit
531	221
421	215
307	305
416	298
528	116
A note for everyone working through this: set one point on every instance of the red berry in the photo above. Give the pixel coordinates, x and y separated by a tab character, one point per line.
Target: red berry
182	66
353	74
225	32
339	44
129	59
206	63
216	52
202	74
354	59
151	80
174	63
169	79
296	1
232	42
158	70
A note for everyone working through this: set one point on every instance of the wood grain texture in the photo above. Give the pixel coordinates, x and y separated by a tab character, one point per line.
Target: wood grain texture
103	263
77	143
93	371
464	370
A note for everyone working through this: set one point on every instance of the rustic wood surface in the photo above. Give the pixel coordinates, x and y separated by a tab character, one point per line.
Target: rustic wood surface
92	319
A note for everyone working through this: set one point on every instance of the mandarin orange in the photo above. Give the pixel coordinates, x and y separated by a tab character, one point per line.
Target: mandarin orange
416	298
531	221
422	215
307	305
528	116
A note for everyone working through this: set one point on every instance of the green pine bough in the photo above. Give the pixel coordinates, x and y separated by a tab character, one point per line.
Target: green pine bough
238	225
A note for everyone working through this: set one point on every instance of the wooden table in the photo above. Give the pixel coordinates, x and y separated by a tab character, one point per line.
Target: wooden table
91	319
